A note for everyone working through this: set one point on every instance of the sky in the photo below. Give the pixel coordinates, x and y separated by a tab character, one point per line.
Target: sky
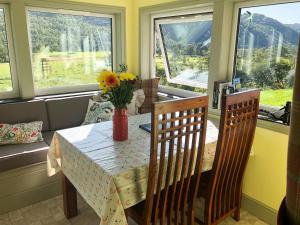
288	13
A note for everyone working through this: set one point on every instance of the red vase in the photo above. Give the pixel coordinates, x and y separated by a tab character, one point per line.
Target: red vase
120	125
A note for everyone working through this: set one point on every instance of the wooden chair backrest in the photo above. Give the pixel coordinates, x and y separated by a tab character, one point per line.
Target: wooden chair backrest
177	146
236	132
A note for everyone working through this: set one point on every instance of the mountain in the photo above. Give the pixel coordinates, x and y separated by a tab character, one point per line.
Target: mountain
190	33
266	31
294	26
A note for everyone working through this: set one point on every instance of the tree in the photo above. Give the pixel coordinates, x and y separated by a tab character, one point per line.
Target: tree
280	72
274	76
263	76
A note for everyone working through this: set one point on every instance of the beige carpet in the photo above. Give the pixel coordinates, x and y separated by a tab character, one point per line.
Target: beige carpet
50	212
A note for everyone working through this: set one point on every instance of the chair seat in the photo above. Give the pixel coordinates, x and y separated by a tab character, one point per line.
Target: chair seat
199	209
14	156
136	212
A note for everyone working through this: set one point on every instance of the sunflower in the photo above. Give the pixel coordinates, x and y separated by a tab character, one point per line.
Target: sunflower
112	80
127	76
102	78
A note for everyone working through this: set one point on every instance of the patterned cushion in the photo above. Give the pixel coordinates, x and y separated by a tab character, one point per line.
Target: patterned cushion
21	133
136	102
98	112
150	88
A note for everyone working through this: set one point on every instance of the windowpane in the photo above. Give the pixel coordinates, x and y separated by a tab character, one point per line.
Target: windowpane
266	51
68	50
5	73
184	51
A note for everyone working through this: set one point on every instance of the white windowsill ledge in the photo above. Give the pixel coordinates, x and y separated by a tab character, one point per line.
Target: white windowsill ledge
215	114
276	127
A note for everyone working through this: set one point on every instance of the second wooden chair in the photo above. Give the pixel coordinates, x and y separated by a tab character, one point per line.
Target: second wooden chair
220	190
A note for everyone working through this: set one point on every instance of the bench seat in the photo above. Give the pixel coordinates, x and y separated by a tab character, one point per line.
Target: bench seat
14	156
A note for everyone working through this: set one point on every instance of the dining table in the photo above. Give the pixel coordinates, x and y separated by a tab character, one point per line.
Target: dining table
110	176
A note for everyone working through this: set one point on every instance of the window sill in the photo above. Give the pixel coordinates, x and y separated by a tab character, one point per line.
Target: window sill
15	100
176	92
214	114
276	127
82	93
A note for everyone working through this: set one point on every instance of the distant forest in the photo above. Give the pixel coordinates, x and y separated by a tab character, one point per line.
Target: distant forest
62	32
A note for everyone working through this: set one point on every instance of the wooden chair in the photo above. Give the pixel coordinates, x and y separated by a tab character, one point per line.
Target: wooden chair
220	189
177	146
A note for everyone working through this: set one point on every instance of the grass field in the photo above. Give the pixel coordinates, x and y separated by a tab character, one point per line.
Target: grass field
276	97
5	77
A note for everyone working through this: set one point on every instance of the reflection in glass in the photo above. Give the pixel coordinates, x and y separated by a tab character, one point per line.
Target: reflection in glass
5	74
185	43
68	50
266	50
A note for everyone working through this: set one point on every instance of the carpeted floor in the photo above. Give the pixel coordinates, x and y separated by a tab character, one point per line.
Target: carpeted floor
50	212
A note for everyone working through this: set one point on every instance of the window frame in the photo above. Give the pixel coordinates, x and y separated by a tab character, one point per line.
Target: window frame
173	20
235	26
174	10
74	88
11	53
271	125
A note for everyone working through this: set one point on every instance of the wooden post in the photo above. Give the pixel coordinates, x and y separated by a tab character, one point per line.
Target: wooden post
69	198
293	164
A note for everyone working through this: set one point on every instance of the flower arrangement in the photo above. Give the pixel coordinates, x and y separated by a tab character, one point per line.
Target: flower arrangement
117	86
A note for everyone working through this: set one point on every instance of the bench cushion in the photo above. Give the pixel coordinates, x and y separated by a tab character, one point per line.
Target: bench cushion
24	112
67	112
14	156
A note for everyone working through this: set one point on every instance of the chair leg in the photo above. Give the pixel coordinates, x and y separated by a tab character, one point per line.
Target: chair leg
69	198
238	200
191	218
237	214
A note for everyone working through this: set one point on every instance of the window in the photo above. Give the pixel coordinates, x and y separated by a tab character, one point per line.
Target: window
266	50
8	84
69	48
183	50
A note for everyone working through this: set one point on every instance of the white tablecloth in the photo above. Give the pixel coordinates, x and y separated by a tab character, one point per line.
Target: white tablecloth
111	176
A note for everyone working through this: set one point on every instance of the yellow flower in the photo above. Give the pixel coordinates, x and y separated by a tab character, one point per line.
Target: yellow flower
102	78
107	80
112	80
127	76
105	90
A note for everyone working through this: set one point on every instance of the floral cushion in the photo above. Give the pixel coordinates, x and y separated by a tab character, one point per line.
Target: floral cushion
21	133
98	112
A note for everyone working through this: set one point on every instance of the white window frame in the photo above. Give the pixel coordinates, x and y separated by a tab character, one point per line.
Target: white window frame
12	60
171	20
236	10
237	7
74	88
200	9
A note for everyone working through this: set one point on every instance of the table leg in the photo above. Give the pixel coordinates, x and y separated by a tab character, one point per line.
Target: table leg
69	198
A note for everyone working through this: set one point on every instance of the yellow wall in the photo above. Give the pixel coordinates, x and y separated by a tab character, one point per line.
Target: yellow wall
265	178
266	171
